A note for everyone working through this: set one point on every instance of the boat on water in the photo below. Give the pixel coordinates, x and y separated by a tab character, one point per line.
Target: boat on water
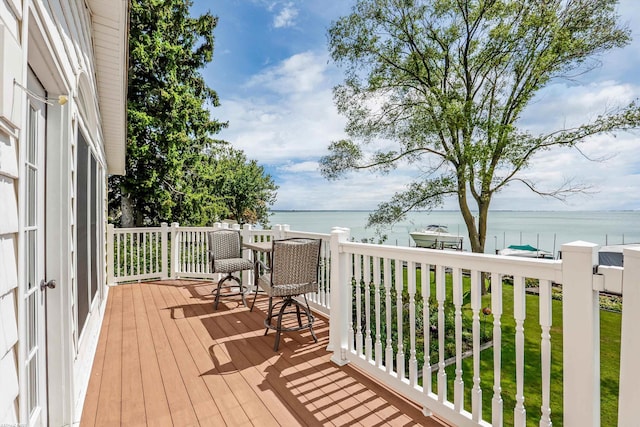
613	254
436	236
525	251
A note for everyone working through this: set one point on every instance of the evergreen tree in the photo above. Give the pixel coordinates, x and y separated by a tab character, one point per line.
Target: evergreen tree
175	169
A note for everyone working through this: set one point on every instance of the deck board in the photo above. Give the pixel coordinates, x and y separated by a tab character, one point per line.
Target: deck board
165	357
108	410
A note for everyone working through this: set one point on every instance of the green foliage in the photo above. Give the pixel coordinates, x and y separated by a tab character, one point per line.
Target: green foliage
448	82
244	187
175	170
369	318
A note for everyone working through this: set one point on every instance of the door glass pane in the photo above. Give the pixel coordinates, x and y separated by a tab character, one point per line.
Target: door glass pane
31	242
32	331
32	351
31	208
32	372
32	142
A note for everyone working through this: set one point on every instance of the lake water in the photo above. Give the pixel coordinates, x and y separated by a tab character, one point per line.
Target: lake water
542	229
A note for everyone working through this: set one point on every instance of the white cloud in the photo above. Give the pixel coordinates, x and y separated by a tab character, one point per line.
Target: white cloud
561	105
300	167
286	17
303	72
288	114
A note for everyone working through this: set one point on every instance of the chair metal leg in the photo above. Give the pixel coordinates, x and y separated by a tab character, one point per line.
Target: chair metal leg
269	315
217	291
286	303
310	319
255	295
241	290
298	316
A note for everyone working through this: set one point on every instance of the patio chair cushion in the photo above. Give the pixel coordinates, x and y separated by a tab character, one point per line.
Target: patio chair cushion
231	264
287	289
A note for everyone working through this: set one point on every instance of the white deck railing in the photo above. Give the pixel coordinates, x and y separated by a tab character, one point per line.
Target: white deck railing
381	320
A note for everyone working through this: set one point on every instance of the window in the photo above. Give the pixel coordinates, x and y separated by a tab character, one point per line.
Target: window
89	231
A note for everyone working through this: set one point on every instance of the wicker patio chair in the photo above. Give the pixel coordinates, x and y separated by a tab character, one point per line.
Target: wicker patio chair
225	256
293	272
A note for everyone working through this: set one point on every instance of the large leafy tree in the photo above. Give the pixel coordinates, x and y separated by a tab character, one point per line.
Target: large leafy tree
244	187
175	169
447	81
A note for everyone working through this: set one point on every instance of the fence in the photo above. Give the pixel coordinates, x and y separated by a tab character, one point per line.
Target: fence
474	338
174	252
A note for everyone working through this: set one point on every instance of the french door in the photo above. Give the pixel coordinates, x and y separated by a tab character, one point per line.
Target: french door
34	286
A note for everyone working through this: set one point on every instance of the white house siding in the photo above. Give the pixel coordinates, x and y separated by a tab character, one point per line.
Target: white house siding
76	48
10	55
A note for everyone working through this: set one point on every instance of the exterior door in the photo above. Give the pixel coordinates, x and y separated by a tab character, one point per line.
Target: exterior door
34	404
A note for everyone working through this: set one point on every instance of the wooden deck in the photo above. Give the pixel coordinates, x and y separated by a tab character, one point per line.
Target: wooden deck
165	357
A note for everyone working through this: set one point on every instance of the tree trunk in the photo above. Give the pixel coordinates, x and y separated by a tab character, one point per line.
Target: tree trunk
126	221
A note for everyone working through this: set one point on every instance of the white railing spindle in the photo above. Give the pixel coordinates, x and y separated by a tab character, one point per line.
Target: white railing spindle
496	310
426	326
399	283
377	284
519	313
440	297
458	383
545	350
476	302
413	361
388	360
368	343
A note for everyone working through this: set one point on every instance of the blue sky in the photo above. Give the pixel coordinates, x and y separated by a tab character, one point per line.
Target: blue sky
274	77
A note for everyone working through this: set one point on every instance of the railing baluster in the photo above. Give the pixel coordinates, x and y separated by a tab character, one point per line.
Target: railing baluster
367	305
426	326
144	253
545	350
192	254
116	269
376	285
413	361
476	301
441	296
399	312
388	360
201	260
519	312
496	310
131	260
458	383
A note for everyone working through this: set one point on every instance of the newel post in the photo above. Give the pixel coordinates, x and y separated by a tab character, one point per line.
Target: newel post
340	298
175	255
280	231
246	235
581	336
164	250
110	254
629	393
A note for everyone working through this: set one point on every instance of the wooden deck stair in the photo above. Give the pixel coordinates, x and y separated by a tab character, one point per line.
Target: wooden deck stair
165	357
